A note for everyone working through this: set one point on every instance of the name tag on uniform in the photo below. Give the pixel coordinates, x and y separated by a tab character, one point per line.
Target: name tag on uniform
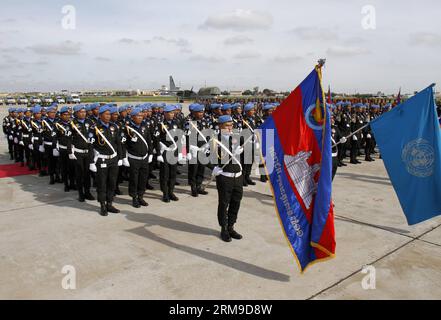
103	165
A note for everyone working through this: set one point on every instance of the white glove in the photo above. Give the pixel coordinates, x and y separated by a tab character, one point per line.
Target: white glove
120	163
125	162
217	171
354	137
92	167
194	151
41	148
11	137
55	153
238	151
343	140
72	156
368	136
181	157
189	156
21	143
160	159
257	145
150	159
31	147
362	136
15	140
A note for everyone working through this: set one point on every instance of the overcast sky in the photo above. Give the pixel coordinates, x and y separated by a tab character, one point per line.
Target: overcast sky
230	44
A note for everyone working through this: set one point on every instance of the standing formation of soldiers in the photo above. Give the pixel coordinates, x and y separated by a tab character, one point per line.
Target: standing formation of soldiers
101	145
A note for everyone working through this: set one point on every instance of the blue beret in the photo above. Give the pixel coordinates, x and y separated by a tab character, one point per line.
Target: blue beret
191	106
104	108
226	106
215	106
79	107
198	107
249	106
146	106
236	105
169	108
113	109
93	106
37	109
268	106
135	111
178	106
163	104
64	109
225	118
12	110
123	108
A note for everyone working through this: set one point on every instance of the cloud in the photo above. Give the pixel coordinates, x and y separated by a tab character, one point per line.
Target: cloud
64	48
287	59
206	59
180	42
425	39
246	55
127	41
103	59
238	40
240	20
339	51
314	33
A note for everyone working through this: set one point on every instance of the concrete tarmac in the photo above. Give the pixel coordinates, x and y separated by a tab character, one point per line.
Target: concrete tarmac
173	251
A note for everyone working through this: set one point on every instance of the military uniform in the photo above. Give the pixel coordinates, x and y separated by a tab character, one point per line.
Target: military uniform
106	142
81	153
139	151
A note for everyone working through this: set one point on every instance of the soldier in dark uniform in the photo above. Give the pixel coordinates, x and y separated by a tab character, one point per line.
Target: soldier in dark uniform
7	125
80	151
106	142
60	143
229	177
26	138
250	124
197	145
37	141
139	151
50	152
168	153
150	123
267	110
356	138
18	144
237	117
336	137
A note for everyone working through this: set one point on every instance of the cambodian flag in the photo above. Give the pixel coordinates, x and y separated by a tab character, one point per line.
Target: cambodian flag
296	146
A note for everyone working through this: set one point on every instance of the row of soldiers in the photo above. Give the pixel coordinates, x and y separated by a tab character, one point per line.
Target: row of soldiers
105	143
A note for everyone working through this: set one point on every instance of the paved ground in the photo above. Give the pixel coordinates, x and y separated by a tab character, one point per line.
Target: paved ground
172	251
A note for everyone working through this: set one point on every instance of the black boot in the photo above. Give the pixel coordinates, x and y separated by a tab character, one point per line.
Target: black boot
149	186
173	197
142	202
88	195
103	210
165	198
51	179
263	178
135	203
118	192
81	197
194	191
58	179
225	236
202	191
250	182
233	233
66	188
111	208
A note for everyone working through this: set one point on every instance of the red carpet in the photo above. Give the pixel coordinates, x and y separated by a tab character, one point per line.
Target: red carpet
13	170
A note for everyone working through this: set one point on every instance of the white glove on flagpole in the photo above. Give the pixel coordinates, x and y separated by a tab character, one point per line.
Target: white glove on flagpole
343	140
